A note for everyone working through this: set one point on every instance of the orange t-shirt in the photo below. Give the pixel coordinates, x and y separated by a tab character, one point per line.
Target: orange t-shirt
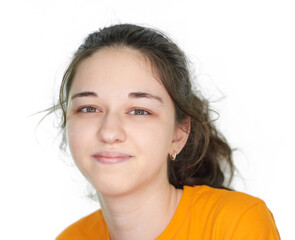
203	213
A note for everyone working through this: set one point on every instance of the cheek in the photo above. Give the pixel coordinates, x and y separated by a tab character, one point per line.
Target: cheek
153	138
78	136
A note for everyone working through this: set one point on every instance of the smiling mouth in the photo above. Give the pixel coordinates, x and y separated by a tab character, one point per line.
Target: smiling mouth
111	160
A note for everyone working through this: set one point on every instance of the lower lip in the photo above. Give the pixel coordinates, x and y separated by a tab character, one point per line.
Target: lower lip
105	160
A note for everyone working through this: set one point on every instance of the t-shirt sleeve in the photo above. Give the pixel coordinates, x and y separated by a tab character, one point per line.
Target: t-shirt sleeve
256	222
67	234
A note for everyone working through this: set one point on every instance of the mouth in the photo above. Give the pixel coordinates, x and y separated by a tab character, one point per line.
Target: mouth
111	157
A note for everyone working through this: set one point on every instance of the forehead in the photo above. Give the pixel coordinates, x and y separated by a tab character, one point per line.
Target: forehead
116	71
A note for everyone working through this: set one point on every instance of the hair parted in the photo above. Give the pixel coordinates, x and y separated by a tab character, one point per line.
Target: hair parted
206	151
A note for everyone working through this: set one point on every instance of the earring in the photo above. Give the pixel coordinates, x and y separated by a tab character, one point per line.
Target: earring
172	157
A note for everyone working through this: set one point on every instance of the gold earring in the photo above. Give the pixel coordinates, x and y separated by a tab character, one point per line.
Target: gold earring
172	157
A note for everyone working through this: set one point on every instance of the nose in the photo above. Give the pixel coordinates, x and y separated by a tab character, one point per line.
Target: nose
111	129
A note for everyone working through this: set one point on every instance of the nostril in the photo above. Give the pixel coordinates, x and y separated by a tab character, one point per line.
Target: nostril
111	133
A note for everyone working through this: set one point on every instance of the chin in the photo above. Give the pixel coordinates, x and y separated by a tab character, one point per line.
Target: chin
112	188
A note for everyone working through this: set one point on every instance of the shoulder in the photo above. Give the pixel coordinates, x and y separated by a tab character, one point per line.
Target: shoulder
213	200
221	198
232	213
88	226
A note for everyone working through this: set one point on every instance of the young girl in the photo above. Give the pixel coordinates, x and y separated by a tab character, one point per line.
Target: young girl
144	139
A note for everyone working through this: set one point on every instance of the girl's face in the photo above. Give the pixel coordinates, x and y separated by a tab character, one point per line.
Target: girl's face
128	112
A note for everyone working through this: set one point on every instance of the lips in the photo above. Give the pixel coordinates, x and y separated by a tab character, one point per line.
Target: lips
111	157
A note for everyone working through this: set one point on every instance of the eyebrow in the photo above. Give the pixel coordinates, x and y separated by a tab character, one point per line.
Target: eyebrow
135	95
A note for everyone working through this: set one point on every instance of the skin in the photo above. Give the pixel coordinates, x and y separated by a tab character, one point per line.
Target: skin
136	198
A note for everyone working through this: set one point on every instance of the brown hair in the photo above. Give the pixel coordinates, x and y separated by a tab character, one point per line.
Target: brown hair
206	151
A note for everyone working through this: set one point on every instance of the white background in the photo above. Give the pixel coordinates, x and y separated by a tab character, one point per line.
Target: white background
243	51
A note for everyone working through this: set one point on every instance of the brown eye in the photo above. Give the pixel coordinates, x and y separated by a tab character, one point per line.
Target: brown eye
139	112
88	109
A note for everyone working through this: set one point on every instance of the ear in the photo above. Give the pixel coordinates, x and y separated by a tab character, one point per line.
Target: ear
180	137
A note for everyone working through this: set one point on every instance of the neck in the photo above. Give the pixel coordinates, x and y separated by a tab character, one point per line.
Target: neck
143	214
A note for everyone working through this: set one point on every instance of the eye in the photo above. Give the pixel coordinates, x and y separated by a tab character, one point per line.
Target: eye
139	112
91	109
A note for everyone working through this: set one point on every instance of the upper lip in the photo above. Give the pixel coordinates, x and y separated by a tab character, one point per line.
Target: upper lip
112	154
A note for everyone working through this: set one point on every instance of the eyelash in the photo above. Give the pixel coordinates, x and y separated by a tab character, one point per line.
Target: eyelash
135	109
